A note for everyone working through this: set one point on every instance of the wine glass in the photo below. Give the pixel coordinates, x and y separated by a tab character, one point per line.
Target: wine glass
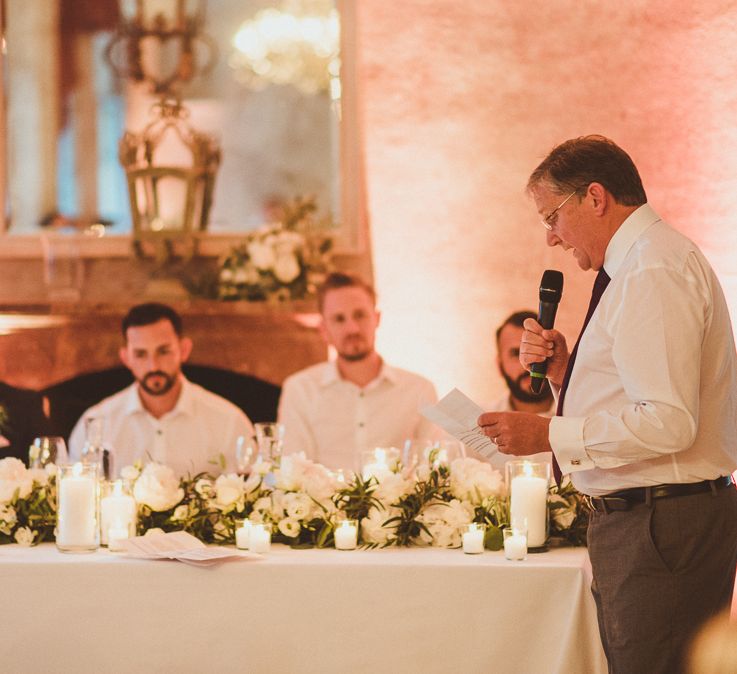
243	454
47	449
270	439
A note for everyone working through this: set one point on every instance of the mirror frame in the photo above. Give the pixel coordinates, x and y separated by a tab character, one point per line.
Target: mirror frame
352	238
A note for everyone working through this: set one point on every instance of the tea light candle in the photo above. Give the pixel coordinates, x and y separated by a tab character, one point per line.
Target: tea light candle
346	535
242	535
473	539
529	501
378	467
515	546
76	525
259	539
119	508
115	537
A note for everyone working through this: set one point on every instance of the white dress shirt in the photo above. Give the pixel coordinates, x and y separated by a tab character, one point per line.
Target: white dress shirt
334	421
652	398
498	461
196	431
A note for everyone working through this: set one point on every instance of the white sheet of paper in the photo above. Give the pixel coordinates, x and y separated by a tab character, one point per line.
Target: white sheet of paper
181	546
457	414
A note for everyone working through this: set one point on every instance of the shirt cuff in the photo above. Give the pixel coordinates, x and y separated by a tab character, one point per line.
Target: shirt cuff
566	439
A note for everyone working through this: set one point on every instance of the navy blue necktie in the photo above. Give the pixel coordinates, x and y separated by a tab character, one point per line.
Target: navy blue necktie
600	284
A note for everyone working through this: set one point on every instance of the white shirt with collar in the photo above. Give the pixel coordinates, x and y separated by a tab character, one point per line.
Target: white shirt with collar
200	427
333	421
652	398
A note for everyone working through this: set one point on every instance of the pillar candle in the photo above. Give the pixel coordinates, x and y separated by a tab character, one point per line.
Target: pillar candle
76	525
529	501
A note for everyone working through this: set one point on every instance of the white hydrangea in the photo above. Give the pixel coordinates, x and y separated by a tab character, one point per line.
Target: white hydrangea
474	481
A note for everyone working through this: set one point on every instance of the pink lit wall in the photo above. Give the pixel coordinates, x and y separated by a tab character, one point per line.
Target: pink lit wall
461	100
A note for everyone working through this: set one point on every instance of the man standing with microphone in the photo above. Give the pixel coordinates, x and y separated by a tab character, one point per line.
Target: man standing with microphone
647	408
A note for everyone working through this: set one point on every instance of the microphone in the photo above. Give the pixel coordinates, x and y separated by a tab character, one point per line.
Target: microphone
551	290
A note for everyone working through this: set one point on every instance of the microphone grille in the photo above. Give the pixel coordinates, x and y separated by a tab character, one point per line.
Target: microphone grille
551	286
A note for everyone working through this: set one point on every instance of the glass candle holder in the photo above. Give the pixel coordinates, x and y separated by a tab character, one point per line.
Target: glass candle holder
259	539
270	440
473	538
346	535
77	517
379	462
118	509
527	484
242	534
515	543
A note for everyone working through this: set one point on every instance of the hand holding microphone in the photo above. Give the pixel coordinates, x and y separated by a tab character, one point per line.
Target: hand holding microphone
535	350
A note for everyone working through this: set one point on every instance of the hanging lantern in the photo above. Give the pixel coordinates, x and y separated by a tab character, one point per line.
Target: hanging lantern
171	170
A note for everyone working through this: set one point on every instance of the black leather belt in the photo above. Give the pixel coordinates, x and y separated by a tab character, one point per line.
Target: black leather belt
624	499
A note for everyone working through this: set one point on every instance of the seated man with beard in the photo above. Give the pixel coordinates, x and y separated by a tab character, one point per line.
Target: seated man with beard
333	411
162	416
520	397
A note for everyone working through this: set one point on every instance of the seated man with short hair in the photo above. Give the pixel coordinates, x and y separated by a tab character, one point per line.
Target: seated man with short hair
162	416
333	411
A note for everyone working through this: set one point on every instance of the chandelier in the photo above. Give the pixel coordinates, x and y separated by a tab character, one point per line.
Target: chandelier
296	45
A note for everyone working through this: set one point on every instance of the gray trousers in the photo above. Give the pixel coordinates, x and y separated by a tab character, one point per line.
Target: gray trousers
660	571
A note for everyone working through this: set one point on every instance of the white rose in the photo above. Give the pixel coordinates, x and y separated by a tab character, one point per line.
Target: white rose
180	513
261	254
14	476
228	489
297	506
226	275
8	519
372	530
158	488
253	482
392	487
130	473
204	487
288	242
24	536
155	531
445	522
286	268
289	527
474	481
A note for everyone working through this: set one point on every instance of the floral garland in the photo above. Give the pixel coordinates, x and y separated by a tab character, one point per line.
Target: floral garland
302	500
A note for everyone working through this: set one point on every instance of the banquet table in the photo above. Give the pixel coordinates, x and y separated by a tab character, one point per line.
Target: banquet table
386	610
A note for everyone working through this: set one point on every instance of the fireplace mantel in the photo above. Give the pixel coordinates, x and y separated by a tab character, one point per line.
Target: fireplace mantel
44	344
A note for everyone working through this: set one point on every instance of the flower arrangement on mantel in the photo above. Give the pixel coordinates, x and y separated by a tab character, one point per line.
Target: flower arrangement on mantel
281	261
303	501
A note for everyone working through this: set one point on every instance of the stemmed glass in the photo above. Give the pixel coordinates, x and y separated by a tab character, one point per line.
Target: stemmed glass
243	455
47	449
270	439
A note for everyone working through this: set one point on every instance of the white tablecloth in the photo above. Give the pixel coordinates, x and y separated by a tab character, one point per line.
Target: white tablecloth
395	610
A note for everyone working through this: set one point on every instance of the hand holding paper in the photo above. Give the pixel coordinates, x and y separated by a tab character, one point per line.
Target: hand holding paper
457	414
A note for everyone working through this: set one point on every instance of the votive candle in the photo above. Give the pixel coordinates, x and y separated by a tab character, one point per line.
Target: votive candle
259	539
473	539
346	535
242	535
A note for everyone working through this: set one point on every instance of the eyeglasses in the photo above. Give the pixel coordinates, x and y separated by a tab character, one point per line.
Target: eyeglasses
550	219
